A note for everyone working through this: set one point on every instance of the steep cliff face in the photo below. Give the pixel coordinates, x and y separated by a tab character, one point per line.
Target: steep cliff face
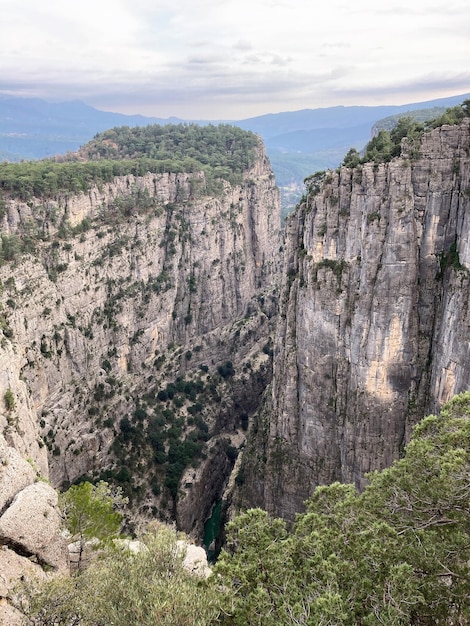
137	334
138	283
374	323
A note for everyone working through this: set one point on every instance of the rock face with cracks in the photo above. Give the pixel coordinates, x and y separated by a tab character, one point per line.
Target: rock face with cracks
369	333
31	544
374	321
32	525
110	307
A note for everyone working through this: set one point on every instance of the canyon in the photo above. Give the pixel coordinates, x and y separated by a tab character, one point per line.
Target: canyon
176	342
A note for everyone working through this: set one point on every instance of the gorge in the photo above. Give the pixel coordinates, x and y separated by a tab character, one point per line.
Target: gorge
162	334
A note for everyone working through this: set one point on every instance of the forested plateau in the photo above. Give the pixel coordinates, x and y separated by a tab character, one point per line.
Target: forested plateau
161	333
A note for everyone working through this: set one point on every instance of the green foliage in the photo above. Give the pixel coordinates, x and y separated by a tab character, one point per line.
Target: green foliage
386	143
337	267
352	158
418	115
396	554
223	146
380	148
165	437
373	217
226	370
221	151
10	247
5	326
9	400
452	116
450	259
314	182
90	512
148	588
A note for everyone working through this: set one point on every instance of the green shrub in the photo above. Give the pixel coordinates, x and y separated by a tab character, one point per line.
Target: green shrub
147	588
9	400
395	554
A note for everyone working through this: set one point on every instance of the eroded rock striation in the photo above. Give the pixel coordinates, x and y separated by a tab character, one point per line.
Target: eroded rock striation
133	349
139	335
374	323
136	284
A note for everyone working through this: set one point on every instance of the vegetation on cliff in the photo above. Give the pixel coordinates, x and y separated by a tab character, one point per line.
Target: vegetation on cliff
396	554
222	152
158	389
386	144
90	513
166	434
146	586
221	146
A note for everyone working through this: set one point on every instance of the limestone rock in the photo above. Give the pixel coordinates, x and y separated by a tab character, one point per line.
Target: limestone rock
15	473
9	616
93	322
31	525
121	309
374	323
195	559
15	568
19	424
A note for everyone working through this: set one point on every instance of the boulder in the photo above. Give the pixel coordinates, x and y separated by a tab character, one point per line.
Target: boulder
195	559
9	616
15	473
32	524
15	568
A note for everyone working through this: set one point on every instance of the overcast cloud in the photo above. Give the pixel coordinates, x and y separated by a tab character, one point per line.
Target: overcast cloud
232	59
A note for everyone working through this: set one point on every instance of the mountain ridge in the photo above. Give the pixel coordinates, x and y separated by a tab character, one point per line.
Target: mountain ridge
298	143
268	126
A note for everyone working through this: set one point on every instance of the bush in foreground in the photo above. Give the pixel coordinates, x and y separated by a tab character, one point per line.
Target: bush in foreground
123	587
396	554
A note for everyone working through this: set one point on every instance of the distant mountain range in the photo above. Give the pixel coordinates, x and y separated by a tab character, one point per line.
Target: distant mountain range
33	129
298	142
302	142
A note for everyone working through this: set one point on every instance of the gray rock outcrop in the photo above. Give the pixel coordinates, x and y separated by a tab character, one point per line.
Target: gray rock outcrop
112	305
374	323
13	570
32	525
31	545
372	333
15	474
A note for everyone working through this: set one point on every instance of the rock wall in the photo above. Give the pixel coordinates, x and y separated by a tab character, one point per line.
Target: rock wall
31	544
126	288
374	324
152	280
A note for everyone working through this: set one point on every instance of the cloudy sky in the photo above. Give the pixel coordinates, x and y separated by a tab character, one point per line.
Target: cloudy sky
232	59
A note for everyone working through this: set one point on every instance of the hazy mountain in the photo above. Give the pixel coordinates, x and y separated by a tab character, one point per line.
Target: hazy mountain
31	128
301	142
276	124
298	143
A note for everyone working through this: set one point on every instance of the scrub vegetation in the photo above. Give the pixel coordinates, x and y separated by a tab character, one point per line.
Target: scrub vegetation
395	554
387	144
221	152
